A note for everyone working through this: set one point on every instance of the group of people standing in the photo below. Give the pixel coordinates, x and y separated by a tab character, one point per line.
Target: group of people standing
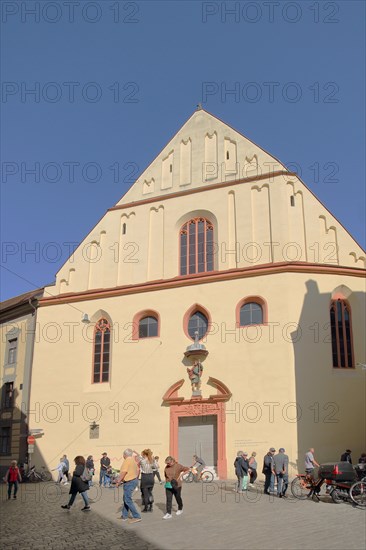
245	470
275	467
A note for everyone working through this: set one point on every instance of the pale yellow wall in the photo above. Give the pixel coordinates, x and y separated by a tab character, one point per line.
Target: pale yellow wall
258	213
262	372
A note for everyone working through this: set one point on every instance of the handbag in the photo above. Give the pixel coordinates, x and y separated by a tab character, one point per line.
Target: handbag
168	485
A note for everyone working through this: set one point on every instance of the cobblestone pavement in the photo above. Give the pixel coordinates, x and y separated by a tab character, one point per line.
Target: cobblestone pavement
214	518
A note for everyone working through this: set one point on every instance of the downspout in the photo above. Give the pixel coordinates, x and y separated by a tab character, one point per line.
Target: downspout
28	373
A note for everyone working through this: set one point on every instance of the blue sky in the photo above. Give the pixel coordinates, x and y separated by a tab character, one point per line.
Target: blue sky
115	80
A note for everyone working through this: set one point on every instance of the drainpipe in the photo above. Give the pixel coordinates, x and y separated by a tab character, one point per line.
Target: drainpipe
28	370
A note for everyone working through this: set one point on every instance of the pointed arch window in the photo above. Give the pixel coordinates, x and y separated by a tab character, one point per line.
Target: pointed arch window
101	351
196	247
198	322
341	331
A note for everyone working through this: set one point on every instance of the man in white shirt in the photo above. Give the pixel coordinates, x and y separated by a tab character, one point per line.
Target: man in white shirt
310	461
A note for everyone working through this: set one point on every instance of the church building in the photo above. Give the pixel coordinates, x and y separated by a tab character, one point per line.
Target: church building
217	307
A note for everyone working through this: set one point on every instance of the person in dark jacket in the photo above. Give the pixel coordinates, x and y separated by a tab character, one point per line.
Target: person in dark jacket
241	470
346	457
268	471
78	485
105	462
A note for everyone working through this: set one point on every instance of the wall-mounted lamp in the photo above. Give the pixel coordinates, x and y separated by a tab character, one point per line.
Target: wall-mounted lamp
85	318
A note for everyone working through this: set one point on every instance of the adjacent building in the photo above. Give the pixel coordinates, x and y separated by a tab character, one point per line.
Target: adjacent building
18	330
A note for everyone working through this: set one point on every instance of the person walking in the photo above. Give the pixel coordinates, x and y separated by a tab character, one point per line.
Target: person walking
156	469
129	477
173	485
147	463
78	485
60	468
240	469
13	478
268	471
253	468
346	457
280	461
66	467
104	465
310	462
90	465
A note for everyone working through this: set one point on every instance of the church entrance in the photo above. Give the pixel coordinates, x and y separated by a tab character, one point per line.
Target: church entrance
198	426
197	435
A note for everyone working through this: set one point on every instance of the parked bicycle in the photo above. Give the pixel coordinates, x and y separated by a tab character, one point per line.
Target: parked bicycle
206	476
33	476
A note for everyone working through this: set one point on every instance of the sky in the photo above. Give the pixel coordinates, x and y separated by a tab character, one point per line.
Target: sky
92	91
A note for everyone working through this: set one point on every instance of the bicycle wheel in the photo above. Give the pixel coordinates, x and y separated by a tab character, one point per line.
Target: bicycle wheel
300	488
34	477
358	493
336	496
187	477
46	476
207	476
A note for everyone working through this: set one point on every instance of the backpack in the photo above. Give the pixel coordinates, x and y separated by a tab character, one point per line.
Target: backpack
86	475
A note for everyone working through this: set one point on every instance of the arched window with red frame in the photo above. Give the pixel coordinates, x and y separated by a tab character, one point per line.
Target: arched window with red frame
101	351
196	246
341	331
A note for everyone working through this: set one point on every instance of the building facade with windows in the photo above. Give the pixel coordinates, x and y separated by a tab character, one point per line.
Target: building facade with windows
217	306
18	330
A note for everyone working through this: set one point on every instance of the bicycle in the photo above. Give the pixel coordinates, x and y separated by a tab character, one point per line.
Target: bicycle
305	486
206	476
33	476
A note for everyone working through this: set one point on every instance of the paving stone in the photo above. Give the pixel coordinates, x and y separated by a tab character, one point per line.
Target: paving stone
214	518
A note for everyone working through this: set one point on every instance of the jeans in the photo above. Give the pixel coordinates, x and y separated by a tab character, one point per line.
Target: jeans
269	482
282	483
169	499
128	504
103	478
84	495
157	474
10	485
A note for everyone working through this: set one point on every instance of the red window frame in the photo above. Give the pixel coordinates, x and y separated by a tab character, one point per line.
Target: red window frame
196	246
341	334
101	367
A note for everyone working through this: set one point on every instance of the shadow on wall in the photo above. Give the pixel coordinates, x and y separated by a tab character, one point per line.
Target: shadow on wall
330	402
13	430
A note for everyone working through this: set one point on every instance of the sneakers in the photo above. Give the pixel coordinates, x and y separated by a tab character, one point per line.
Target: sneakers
123	519
179	512
86	509
66	507
167	516
134	520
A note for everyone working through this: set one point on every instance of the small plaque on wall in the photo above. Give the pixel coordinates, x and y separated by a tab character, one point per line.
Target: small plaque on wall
94	431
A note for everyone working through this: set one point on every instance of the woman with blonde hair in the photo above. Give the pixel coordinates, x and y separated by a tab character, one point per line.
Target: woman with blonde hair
147	465
253	468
